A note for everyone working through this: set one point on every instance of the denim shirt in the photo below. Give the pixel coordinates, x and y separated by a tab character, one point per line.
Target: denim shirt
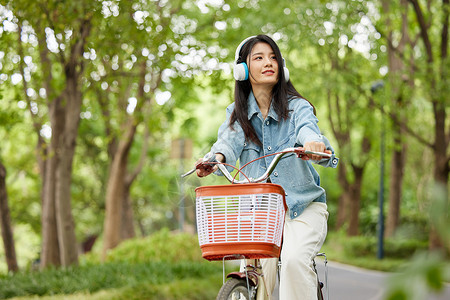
298	177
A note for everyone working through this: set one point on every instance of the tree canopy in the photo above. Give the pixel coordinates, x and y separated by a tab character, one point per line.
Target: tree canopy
92	93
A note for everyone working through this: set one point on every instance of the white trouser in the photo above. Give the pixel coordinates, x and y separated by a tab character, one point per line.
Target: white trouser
302	239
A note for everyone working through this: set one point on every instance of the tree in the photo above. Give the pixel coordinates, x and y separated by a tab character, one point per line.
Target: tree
70	27
428	64
436	83
6	228
126	76
398	78
341	74
350	124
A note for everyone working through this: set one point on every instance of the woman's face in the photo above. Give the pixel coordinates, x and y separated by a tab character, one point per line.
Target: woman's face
263	65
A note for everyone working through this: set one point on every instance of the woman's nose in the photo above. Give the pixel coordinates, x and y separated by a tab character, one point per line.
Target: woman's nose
268	61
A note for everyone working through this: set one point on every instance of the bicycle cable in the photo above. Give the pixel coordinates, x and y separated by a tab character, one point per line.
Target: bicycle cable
228	165
252	161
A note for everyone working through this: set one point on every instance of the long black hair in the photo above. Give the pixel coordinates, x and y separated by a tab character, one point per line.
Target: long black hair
281	92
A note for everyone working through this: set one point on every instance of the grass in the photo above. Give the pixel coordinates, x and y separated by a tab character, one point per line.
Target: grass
123	279
189	289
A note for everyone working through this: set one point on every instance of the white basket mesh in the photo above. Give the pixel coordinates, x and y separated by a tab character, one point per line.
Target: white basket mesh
240	218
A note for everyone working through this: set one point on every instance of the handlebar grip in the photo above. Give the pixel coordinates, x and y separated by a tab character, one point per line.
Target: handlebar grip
326	154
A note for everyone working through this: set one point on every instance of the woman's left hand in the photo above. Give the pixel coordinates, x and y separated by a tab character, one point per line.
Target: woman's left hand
316	147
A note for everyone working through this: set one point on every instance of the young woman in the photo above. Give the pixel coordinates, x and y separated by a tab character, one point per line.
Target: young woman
269	115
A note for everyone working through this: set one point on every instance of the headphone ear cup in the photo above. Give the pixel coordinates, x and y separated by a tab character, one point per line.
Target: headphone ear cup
240	71
286	74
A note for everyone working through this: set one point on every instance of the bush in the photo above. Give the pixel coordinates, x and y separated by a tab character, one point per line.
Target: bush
154	262
404	248
360	246
161	246
97	277
189	289
413	226
393	248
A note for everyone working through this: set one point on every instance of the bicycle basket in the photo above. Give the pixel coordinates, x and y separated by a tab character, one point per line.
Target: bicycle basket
242	219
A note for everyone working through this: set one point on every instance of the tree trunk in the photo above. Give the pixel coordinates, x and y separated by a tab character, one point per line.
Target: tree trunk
344	201
441	170
50	254
115	190
119	220
65	223
397	78
395	187
127	230
59	245
50	247
5	219
355	201
113	205
349	201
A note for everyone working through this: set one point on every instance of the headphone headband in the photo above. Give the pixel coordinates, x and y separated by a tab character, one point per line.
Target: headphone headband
238	49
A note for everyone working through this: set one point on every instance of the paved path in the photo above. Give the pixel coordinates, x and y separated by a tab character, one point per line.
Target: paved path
352	283
346	282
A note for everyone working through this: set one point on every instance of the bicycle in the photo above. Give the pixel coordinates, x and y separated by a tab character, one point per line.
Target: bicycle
245	220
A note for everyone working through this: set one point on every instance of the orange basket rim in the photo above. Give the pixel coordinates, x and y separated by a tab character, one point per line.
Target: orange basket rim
246	249
239	189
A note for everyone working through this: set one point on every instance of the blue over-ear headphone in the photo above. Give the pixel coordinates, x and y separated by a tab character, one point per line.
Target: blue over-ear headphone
241	69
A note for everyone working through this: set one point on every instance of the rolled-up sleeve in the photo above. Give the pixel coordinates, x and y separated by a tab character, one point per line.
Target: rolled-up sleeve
230	141
307	130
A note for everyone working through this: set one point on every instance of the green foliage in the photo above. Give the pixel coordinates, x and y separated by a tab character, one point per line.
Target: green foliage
189	289
321	63
137	269
361	251
184	289
163	246
426	273
92	278
393	248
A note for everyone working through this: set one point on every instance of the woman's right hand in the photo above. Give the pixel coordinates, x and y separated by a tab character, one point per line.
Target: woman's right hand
206	169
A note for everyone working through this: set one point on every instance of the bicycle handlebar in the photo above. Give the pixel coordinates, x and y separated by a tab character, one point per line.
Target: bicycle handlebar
210	159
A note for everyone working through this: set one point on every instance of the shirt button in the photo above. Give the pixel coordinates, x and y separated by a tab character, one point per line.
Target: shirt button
275	174
269	148
295	214
334	161
267	122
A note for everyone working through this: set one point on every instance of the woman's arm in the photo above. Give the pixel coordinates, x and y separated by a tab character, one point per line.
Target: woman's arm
308	134
229	144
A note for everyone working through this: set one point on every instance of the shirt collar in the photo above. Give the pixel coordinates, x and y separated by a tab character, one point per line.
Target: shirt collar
254	109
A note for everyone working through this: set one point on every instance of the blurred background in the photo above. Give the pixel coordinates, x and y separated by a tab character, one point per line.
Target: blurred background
103	104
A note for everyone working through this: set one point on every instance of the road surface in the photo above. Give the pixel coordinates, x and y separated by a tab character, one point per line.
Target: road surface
352	283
